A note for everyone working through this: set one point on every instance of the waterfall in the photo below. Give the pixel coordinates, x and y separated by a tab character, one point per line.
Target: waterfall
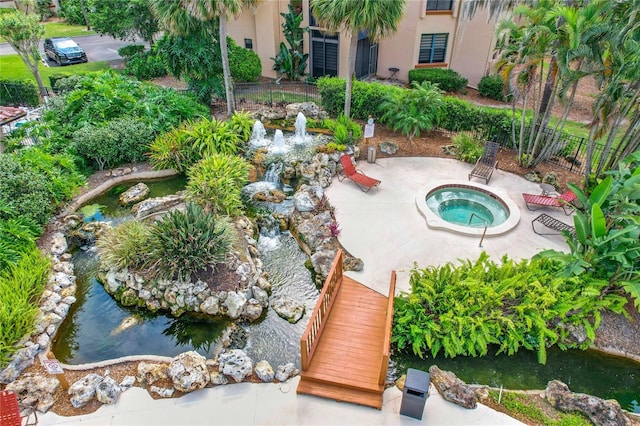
269	233
272	175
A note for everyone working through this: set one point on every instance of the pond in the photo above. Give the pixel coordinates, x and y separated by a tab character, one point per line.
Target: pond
588	372
98	328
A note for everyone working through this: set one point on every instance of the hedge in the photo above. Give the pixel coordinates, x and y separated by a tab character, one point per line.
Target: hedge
18	93
492	86
447	80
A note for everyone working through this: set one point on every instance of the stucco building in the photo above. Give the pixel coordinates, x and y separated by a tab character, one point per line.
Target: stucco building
432	34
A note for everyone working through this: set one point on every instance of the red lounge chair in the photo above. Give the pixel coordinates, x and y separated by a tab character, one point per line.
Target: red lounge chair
350	172
563	201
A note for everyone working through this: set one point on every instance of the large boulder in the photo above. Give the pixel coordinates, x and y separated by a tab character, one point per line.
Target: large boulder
149	373
235	363
252	310
22	359
599	411
286	371
234	303
83	390
264	371
309	109
308	198
451	388
135	194
288	308
35	390
108	391
188	371
153	206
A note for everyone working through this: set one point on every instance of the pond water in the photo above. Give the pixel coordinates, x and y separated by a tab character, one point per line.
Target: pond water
589	372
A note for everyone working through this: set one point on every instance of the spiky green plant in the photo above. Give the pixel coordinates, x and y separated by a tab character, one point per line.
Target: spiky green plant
468	149
125	245
240	122
216	182
187	242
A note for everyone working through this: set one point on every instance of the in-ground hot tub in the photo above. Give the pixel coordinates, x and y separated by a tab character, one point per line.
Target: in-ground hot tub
467	207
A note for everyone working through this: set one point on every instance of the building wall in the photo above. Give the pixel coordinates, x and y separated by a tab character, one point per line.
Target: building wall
469	45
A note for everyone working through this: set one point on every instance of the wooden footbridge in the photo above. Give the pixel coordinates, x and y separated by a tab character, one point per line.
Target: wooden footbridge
345	348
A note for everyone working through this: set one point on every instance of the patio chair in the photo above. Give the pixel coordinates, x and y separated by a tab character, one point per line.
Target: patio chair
350	172
554	224
564	201
487	163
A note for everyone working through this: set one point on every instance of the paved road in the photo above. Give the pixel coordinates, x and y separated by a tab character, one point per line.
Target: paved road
98	48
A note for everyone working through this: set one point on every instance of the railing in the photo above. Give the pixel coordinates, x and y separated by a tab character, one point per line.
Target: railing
311	335
252	95
387	331
486	224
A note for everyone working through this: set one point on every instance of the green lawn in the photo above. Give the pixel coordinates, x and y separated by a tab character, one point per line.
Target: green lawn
12	68
62	29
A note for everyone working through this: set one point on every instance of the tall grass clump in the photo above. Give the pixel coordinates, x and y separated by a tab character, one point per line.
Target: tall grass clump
125	245
21	286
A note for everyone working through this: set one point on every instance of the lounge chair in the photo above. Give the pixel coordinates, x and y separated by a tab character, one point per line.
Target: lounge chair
487	163
552	223
564	201
350	172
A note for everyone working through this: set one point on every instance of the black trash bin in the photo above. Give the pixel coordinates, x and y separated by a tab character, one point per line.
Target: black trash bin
415	393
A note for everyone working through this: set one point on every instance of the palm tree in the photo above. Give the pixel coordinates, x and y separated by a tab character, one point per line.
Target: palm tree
178	15
379	18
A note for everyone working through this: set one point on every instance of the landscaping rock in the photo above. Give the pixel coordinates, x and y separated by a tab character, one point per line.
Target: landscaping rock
35	390
153	206
322	261
108	391
135	194
188	371
234	303
58	244
451	388
149	373
534	176
389	148
286	371
267	114
235	363
264	371
162	392
599	411
288	308
83	390
308	197
22	359
252	310
309	109
551	178
218	378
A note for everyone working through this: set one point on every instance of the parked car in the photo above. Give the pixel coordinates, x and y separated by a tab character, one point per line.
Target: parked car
64	51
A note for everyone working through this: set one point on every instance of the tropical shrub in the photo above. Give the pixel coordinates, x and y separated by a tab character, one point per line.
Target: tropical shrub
492	86
607	244
461	310
17	236
24	192
19	92
345	130
62	85
244	64
182	147
145	65
21	285
71	10
241	123
413	111
125	246
460	115
216	181
53	78
365	101
291	61
468	149
188	242
118	141
129	51
448	80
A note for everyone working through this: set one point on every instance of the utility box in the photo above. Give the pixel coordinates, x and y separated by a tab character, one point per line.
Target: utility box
415	393
371	154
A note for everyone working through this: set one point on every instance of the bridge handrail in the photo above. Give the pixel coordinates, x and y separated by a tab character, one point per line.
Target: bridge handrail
311	335
386	348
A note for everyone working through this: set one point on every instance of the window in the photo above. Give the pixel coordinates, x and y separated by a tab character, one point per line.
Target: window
324	54
248	43
439	5
433	48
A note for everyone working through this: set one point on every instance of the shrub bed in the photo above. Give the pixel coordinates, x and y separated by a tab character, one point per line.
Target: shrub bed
447	80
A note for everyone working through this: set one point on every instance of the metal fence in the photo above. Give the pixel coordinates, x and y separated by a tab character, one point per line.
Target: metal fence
22	94
255	95
570	152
